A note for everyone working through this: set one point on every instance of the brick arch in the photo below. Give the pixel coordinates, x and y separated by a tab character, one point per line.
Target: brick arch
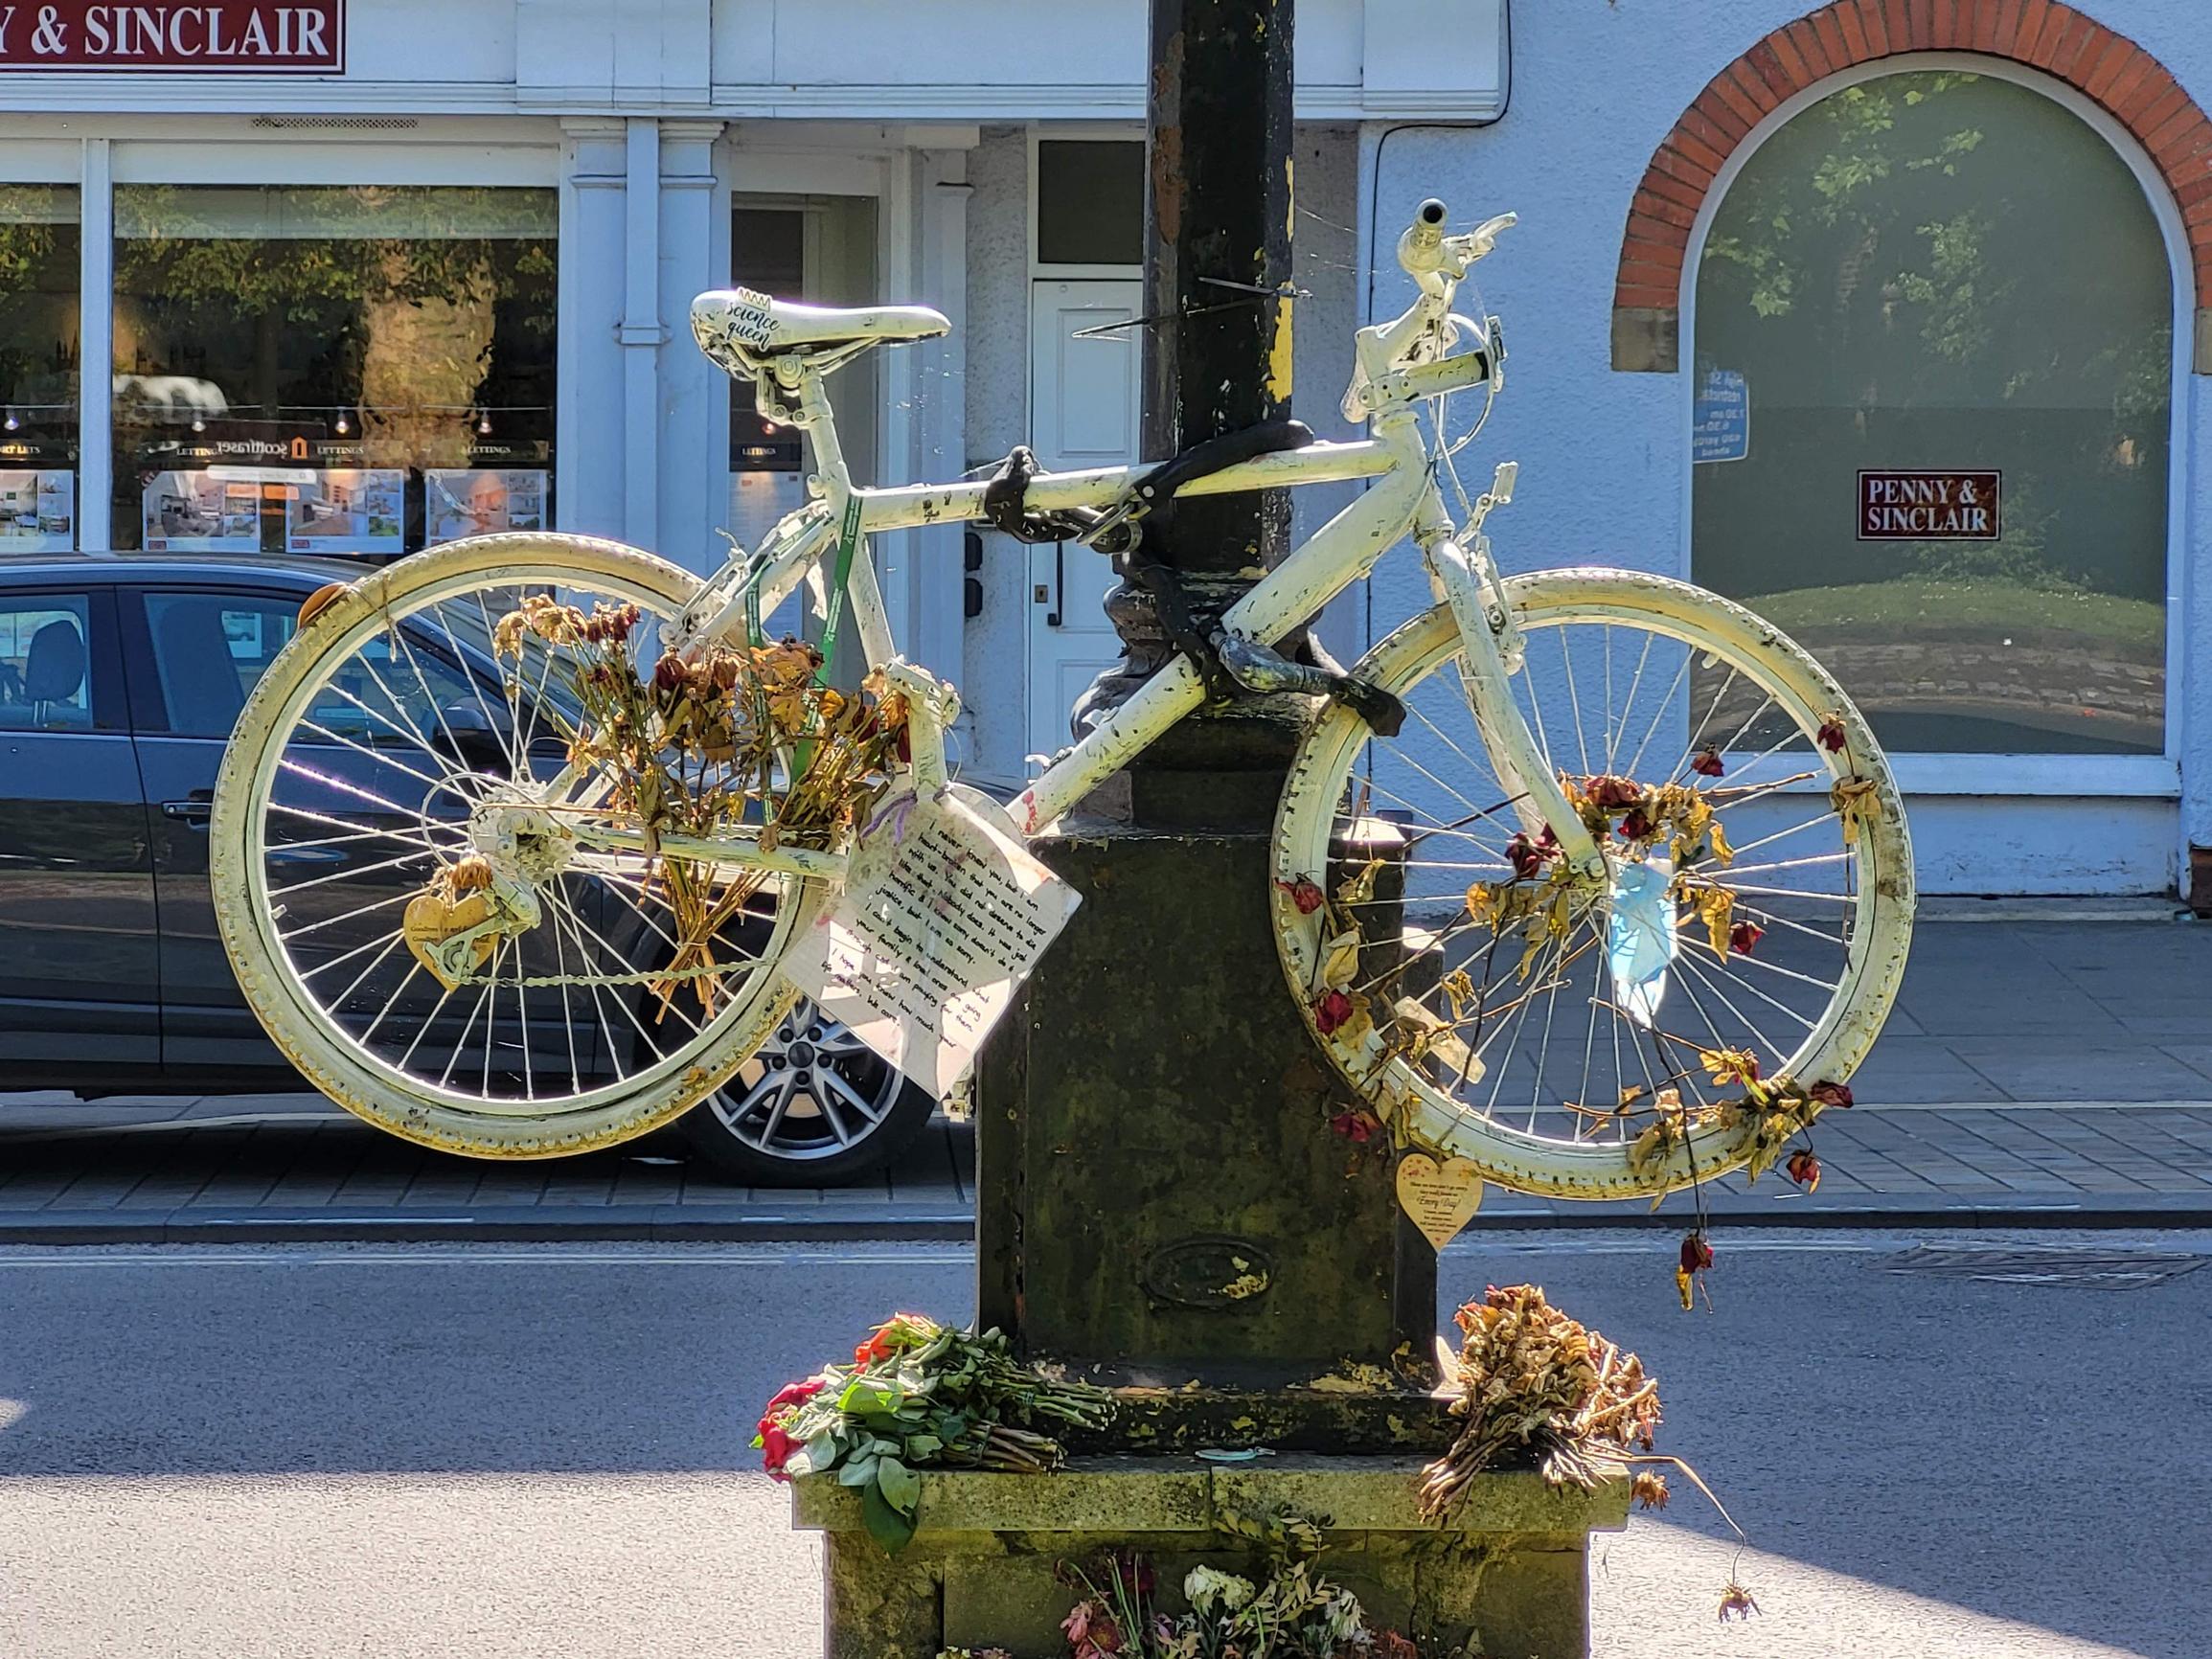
2066	44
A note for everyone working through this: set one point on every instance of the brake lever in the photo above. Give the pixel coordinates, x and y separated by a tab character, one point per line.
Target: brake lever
1478	242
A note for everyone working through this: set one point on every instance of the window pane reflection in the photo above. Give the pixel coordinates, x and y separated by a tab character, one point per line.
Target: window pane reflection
1945	273
39	277
366	369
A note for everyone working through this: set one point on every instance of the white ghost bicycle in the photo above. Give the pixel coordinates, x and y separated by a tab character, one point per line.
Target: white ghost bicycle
513	835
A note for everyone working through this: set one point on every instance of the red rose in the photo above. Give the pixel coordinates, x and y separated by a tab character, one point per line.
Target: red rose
792	1394
1708	763
669	673
1831	734
1331	1012
775	1447
878	1346
1804	1168
1743	936
1635	826
1358	1125
1305	894
1697	1254
1610	794
1830	1094
1527	857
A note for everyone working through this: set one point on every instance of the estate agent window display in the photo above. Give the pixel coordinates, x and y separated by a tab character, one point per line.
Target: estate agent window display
347	369
38	352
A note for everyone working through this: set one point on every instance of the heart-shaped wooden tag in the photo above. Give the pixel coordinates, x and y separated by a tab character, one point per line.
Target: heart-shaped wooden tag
1441	1198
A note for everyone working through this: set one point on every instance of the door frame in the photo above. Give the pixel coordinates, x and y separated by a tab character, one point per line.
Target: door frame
1040	270
2150	776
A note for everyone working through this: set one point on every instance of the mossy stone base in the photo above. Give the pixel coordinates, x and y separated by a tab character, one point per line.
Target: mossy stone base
1507	1575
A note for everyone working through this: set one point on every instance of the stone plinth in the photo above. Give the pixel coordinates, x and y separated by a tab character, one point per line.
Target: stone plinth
1507	1575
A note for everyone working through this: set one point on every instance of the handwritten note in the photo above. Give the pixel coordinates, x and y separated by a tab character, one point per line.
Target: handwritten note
944	914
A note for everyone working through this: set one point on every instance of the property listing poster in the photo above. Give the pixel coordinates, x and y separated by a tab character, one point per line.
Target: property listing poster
481	501
37	511
348	510
199	513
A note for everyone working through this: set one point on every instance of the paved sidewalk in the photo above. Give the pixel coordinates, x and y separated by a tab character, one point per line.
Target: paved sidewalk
2035	1072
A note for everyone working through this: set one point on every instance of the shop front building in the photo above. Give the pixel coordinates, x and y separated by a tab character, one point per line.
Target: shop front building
1885	318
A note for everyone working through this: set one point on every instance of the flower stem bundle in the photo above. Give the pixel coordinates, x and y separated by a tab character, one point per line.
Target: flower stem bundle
919	1395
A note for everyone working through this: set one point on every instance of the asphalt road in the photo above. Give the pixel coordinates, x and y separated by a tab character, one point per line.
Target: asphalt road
540	1451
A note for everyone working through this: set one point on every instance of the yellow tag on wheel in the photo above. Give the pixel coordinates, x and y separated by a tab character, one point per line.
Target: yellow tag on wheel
1440	1199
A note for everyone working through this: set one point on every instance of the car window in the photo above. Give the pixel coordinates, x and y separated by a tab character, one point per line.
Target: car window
45	662
383	694
209	651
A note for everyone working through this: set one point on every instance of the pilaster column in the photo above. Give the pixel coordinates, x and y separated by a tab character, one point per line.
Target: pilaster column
694	414
588	480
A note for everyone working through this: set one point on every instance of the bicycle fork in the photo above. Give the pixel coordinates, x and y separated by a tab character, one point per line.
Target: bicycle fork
1486	632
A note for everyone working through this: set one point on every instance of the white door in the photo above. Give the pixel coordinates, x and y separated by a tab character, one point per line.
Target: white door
1085	400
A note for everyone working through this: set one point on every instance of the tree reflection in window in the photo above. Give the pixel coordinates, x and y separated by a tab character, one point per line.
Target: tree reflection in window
388	328
1949	271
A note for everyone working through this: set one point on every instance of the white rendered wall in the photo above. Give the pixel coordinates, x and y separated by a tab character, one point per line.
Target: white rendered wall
1596	87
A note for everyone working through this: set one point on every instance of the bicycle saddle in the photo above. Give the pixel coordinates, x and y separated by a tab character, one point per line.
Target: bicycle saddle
735	325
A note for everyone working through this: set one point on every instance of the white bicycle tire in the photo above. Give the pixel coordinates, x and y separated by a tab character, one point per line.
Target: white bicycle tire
1505	1154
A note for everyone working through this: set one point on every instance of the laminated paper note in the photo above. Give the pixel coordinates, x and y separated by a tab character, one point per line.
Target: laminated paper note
943	917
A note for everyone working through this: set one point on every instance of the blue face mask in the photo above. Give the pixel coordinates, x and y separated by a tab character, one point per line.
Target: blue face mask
1640	940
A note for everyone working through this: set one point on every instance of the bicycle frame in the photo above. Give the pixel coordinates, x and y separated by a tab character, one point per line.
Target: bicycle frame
1337	554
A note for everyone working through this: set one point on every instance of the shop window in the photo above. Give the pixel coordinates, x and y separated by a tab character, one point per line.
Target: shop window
821	250
38	278
1090	201
1933	361
362	371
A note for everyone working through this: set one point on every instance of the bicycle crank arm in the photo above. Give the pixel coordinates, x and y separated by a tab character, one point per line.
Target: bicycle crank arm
1514	749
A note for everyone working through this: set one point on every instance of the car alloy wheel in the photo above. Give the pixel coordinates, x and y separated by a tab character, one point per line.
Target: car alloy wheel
814	1105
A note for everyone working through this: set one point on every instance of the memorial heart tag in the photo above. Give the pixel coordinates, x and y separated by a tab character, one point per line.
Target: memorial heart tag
1441	1198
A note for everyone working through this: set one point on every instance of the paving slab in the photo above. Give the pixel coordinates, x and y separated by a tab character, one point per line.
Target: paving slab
2012	1087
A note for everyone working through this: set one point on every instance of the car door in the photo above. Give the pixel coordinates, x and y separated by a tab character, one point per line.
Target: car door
195	652
78	972
192	654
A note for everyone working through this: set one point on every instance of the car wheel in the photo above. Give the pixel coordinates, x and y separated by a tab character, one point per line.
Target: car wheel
815	1106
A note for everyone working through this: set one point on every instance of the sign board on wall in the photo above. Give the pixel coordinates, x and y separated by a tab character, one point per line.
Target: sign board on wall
1928	506
212	36
1722	427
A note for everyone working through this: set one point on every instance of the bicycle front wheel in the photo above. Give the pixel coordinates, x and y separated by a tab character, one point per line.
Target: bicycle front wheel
1579	1035
399	735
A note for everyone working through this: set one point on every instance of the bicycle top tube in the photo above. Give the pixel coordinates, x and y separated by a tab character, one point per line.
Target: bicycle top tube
902	507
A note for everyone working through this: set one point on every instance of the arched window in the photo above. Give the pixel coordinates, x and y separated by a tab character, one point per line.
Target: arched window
1933	361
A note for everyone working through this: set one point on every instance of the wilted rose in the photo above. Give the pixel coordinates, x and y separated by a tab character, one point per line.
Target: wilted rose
1804	1168
1744	936
1833	736
1331	1012
1611	794
1637	826
1304	893
1830	1094
1708	763
1357	1126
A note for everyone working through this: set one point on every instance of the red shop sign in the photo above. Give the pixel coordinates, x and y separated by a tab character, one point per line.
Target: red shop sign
210	36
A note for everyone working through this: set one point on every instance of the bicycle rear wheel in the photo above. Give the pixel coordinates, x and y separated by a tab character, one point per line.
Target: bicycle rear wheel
365	766
1683	1015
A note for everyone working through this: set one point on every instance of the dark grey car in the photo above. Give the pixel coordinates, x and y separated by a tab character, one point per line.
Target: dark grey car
120	680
